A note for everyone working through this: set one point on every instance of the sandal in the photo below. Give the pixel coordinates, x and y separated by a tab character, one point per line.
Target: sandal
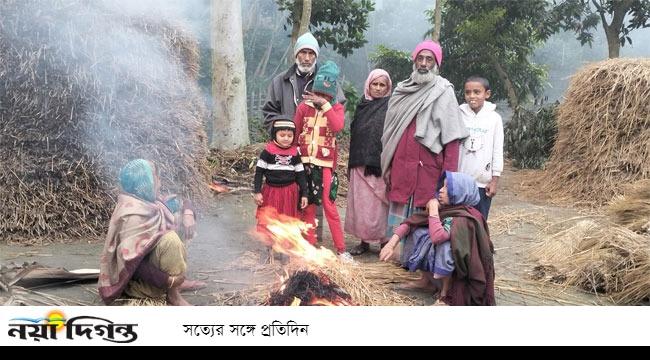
360	249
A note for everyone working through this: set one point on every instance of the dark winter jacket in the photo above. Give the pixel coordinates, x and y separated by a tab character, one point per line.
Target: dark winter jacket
283	95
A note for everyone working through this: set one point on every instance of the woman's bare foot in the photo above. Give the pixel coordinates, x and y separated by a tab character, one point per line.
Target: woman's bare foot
174	298
192	285
439	302
421	284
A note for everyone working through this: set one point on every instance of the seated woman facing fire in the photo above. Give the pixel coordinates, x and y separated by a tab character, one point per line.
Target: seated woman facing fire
452	244
143	256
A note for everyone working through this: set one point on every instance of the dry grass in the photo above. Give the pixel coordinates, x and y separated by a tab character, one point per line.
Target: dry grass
78	102
536	293
633	209
365	291
603	132
599	257
141	302
506	222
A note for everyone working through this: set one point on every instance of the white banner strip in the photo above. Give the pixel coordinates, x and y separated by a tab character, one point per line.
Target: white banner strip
436	325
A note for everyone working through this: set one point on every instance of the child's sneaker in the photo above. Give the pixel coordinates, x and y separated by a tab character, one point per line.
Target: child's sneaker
346	257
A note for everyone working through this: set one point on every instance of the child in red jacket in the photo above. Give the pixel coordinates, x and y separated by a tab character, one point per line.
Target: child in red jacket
318	119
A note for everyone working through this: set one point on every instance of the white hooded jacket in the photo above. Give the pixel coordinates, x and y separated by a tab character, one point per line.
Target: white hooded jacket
481	154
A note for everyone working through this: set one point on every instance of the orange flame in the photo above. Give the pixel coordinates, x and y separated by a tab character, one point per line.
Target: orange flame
285	235
325	302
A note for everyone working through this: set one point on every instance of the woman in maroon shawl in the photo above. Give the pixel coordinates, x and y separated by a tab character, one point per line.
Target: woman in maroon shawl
455	242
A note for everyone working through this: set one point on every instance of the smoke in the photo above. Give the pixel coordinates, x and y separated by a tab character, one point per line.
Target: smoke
110	80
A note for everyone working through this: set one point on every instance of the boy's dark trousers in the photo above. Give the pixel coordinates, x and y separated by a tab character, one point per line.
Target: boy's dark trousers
484	205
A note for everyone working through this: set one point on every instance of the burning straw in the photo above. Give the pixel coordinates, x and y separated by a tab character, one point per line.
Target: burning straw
85	90
603	137
321	266
600	258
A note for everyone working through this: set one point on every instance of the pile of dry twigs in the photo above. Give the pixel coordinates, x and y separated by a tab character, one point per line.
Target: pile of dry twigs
85	90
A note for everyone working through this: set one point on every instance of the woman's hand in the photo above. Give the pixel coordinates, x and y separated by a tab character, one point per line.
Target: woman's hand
432	206
386	177
175	281
259	199
303	202
389	249
189	224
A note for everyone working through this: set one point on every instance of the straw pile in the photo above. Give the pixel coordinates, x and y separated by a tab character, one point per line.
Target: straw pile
603	131
633	209
600	258
84	90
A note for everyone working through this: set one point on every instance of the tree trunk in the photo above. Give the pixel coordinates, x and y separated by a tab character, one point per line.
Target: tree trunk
613	43
437	21
303	7
613	30
305	19
230	120
513	100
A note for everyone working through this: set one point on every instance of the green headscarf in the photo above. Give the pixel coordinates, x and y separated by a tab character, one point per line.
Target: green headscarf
137	178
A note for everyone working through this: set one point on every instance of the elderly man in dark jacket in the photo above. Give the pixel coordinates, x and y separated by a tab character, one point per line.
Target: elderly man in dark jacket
286	90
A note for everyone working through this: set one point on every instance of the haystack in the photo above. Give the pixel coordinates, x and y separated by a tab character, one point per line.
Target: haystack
603	139
633	209
600	258
84	90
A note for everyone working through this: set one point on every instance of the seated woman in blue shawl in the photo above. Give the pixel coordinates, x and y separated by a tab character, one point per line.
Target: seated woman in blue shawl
143	255
452	243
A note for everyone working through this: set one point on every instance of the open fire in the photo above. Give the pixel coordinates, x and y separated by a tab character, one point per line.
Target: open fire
286	235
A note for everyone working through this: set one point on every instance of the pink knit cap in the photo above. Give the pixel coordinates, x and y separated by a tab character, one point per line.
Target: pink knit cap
429	45
377	73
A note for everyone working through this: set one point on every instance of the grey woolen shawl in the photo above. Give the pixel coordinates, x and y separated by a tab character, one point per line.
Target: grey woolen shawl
438	120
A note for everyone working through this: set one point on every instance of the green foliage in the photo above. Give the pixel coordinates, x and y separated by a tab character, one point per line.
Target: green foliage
530	136
340	23
257	131
582	16
352	99
480	36
398	63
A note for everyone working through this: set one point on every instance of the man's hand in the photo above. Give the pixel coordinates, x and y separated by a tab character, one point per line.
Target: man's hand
491	187
259	199
303	202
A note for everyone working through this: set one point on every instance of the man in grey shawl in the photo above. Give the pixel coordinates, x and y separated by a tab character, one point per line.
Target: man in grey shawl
421	138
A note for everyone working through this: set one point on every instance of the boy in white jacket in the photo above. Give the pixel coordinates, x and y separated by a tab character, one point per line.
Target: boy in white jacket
481	155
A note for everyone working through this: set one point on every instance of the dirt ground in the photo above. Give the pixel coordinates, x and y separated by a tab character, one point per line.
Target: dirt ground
228	258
